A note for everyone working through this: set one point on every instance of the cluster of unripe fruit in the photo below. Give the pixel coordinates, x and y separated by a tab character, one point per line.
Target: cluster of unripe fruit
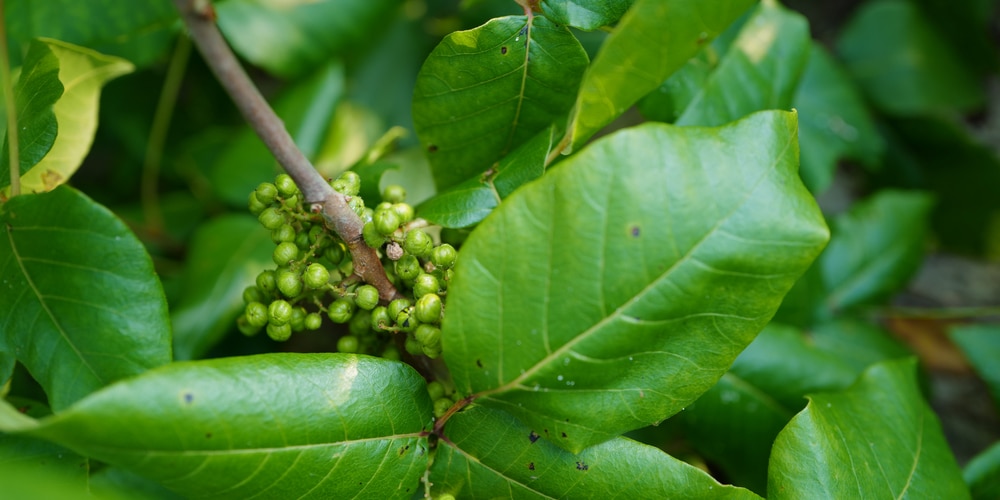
314	274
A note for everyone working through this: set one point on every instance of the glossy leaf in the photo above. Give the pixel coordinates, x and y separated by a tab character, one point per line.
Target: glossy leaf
469	464
39	455
114	480
224	257
611	281
903	65
482	93
82	306
672	97
855	342
138	31
290	38
981	346
585	14
82	73
834	121
471	201
35	92
876	439
652	40
761	69
982	474
280	425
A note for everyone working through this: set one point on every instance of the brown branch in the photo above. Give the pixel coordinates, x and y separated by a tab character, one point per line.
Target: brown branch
199	17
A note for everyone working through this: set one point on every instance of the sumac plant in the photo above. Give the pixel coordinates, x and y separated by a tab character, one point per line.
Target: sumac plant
572	251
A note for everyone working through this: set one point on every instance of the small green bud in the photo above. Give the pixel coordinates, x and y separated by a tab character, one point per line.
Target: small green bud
366	297
335	253
255	206
381	320
418	243
407	267
279	312
298	320
357	205
286	186
284	253
412	346
373	237
397	306
394	193
435	389
404	211
444	256
360	324
348	343
428	335
289	283
279	333
271	218
340	311
256	314
428	308
424	284
302	241
351	182
316	276
266	193
252	294
386	221
432	352
313	321
292	201
245	327
285	232
406	322
441	406
267	282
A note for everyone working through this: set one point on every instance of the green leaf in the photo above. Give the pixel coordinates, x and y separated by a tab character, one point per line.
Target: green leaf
224	257
482	93
981	346
876	439
856	343
982	474
902	64
82	306
585	14
281	425
760	70
138	31
668	102
35	92
82	73
471	201
611	282
307	109
110	481
469	464
653	39
834	121
29	453
290	38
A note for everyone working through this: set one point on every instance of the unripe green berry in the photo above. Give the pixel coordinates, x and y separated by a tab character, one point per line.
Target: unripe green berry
340	311
279	333
424	284
302	241
444	256
366	297
346	267
357	205
390	353
406	322
348	343
335	253
341	187
286	186
360	324
432	352
381	320
404	211
397	306
394	193
267	282
313	321
428	335
316	276
412	346
289	283
279	312
418	243
441	406
428	308
373	237
252	294
407	267
292	201
256	314
284	253
435	389
266	193
245	327
285	232
352	182
317	234
386	222
298	320
385	205
255	206
271	218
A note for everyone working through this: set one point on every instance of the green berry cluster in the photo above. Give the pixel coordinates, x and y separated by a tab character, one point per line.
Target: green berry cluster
443	396
314	273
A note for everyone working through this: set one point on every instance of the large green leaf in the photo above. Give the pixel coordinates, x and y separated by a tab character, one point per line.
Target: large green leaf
630	276
482	93
653	39
82	73
834	121
138	31
982	474
279	425
876	439
225	256
470	464
82	306
904	66
760	70
35	92
585	14
38	455
981	346
290	38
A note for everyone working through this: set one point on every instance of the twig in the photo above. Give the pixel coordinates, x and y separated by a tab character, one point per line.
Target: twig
199	16
8	94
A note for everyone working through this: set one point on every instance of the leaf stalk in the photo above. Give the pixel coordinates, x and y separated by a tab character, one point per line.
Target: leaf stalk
8	95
